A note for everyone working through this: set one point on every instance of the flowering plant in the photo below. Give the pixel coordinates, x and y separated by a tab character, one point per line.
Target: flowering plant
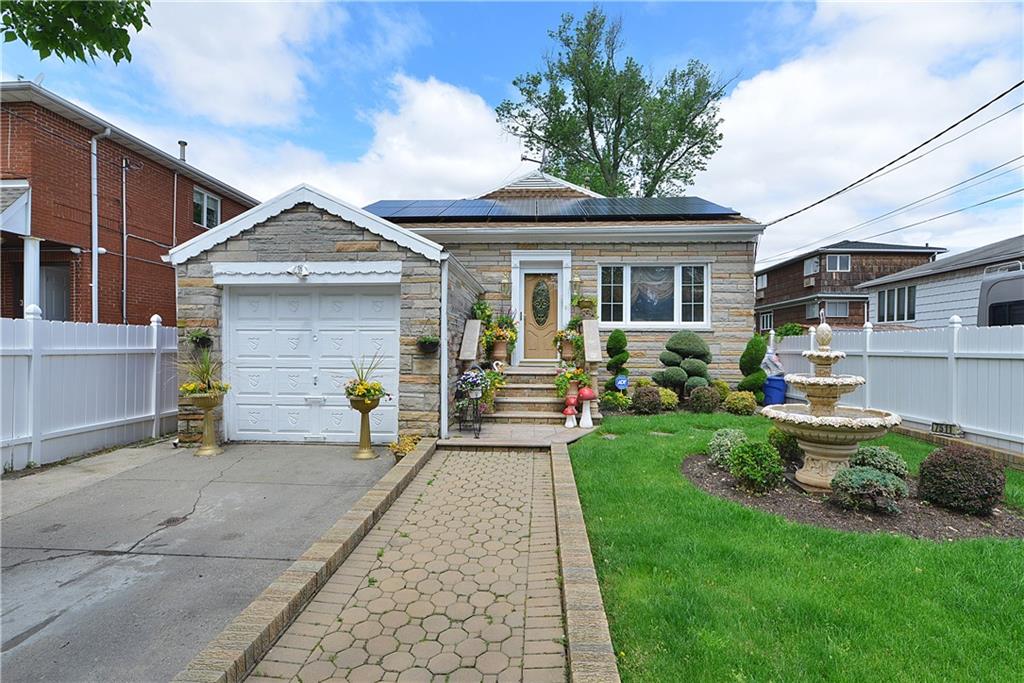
568	335
566	375
363	386
472	380
194	388
202	370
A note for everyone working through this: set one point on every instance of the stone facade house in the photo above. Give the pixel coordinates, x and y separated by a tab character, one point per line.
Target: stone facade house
297	288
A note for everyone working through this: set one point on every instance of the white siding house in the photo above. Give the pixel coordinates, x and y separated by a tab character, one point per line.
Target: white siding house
927	295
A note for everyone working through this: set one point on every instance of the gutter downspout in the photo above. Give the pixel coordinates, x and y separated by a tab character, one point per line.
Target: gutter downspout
124	240
174	214
94	178
443	354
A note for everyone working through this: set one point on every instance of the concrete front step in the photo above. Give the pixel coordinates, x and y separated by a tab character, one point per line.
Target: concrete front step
525	416
537	389
543	404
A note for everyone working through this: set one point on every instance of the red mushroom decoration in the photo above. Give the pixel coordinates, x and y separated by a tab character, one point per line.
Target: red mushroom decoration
586	395
570	416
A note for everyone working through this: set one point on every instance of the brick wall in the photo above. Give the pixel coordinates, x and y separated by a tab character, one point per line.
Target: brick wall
732	297
463	291
54	154
306	233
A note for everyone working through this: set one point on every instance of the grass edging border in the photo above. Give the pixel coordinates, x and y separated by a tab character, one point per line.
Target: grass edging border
242	644
591	655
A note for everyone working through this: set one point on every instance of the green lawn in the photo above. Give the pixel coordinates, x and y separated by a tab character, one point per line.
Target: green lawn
702	589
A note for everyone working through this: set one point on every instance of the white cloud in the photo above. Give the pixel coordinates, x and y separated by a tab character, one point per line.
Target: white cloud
878	79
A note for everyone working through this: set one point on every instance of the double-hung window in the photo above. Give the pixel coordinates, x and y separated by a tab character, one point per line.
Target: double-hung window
811	266
837	263
761	281
897	304
767	321
205	209
837	309
655	295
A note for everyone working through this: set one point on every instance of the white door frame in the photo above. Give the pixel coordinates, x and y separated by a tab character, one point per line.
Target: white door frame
540	261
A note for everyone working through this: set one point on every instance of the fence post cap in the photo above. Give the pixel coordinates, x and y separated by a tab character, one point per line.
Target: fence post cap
955	321
155	320
33	312
811	330
868	326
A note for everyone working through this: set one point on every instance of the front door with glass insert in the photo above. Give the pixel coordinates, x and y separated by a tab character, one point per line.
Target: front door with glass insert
540	315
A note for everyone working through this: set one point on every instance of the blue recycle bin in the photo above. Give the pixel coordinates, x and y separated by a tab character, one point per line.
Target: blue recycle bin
774	390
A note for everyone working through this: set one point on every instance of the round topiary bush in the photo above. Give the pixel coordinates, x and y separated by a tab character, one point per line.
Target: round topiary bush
721	387
647	401
670	359
865	487
786	445
688	344
704	400
669	399
961	478
881	458
671	378
617	357
694	383
695	367
740	403
756	465
721	445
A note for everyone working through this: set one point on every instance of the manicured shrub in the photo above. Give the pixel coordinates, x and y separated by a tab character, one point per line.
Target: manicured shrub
881	458
688	344
786	445
750	366
756	465
647	401
740	403
694	383
961	478
642	382
865	487
669	399
695	367
721	387
721	445
618	356
670	359
615	402
704	400
671	378
753	382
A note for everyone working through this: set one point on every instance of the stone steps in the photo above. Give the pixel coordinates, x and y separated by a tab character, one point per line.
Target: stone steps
541	404
527	389
523	416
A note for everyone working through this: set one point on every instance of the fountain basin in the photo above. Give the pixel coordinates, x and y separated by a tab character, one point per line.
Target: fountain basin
828	441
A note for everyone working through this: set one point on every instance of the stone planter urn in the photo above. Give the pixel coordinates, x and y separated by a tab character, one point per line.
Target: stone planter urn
364	406
568	350
207	403
574	389
500	350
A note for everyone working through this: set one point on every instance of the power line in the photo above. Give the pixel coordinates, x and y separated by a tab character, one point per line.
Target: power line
923	201
900	157
949	213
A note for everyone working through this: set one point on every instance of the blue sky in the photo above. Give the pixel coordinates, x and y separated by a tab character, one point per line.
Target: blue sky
396	100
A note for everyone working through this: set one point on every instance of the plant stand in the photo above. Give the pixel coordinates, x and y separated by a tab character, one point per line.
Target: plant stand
207	403
471	415
364	406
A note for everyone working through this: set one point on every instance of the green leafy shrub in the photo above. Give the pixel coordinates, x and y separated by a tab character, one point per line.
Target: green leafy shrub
618	356
753	354
670	359
721	445
865	487
961	478
694	383
688	344
642	382
721	387
695	367
756	465
705	400
753	382
881	458
671	378
789	330
740	403
482	312
786	445
669	399
647	401
615	402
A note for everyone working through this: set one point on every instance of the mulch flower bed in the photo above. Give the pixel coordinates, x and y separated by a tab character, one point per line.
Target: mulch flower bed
917	518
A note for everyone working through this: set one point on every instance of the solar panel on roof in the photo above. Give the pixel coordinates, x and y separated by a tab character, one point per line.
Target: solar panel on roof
469	208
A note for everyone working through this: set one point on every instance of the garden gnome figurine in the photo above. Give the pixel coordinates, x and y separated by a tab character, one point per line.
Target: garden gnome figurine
586	395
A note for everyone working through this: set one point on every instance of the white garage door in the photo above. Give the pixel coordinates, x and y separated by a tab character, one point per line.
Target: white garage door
290	352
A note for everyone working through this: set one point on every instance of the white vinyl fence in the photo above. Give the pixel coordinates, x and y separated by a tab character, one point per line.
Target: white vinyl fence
67	389
971	377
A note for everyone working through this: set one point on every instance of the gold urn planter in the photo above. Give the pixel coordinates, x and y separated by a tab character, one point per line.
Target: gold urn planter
500	350
364	406
207	403
568	350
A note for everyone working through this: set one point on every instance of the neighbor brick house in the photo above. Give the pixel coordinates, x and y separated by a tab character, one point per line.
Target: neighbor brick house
298	288
795	290
147	201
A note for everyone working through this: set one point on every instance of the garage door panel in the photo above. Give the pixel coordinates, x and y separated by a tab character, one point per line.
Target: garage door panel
294	381
384	420
252	381
253	419
339	344
340	421
294	306
339	307
378	307
250	343
380	343
253	307
293	344
294	419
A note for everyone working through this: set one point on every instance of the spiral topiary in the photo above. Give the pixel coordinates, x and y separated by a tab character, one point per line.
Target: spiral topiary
617	357
686	357
750	366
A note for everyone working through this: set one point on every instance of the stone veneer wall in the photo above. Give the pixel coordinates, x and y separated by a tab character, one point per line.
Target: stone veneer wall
463	290
307	233
732	291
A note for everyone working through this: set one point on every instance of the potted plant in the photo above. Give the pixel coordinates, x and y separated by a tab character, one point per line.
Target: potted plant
200	338
587	305
365	393
500	340
472	383
403	446
482	312
569	379
206	392
569	344
428	343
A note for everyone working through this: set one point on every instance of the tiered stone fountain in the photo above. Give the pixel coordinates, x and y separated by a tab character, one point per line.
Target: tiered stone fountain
828	433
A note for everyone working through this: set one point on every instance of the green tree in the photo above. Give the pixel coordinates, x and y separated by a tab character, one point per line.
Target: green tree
73	29
597	119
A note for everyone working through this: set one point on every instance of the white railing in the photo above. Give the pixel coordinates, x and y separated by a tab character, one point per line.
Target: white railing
67	389
971	377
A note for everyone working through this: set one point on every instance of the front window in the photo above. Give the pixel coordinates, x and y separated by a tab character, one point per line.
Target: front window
205	209
811	266
837	309
811	311
761	281
767	321
897	304
654	295
837	263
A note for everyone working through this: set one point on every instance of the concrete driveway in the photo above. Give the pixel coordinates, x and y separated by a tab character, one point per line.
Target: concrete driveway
123	566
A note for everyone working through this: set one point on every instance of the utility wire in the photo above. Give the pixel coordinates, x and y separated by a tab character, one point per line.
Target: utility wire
949	213
900	157
923	201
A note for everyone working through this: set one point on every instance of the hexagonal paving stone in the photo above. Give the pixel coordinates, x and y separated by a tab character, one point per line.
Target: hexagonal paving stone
444	663
398	661
351	658
368	673
367	629
410	633
382	645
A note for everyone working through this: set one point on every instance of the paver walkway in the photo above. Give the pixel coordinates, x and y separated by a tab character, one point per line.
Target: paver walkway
457	582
